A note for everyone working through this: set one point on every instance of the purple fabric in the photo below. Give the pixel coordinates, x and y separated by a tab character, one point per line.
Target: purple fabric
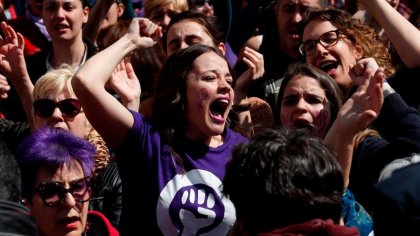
173	198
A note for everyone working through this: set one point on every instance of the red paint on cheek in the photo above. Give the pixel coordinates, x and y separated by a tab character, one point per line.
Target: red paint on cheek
321	121
202	96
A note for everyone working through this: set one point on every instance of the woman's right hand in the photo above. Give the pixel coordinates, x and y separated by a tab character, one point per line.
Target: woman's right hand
144	33
358	71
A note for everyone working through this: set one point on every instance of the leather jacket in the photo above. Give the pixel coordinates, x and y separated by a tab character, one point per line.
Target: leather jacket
107	194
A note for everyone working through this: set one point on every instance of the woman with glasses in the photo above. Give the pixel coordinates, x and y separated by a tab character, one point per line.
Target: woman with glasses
63	20
342	47
52	103
56	106
335	42
56	168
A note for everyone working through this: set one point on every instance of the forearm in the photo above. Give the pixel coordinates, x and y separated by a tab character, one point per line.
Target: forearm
341	144
132	104
399	30
24	89
114	120
97	70
241	90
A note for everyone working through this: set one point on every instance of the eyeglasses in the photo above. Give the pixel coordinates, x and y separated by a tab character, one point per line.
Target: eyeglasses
327	39
53	193
200	3
45	107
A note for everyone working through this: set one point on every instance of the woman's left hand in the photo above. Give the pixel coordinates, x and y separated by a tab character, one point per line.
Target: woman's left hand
126	84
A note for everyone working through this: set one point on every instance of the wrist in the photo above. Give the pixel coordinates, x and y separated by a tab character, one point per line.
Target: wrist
387	90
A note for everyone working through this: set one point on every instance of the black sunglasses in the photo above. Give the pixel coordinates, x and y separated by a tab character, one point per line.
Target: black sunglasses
199	3
53	193
45	107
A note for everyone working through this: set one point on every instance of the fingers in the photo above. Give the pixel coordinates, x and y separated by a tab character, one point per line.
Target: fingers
150	29
255	61
130	71
21	41
10	36
4	87
359	70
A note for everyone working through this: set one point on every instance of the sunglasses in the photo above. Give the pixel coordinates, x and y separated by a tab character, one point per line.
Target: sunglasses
53	193
45	107
200	3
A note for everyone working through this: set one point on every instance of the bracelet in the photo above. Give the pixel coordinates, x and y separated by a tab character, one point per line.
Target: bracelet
388	91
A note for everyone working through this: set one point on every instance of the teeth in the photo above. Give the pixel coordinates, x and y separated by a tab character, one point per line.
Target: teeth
224	101
325	66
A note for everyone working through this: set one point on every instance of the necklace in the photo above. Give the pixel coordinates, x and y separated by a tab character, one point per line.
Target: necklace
82	60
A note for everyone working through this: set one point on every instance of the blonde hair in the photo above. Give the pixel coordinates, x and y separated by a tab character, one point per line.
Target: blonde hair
54	82
152	5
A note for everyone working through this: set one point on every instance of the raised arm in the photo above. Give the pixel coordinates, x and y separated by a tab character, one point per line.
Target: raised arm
13	66
359	111
109	117
403	35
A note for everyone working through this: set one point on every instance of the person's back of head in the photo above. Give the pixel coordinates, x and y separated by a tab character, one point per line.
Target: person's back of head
283	177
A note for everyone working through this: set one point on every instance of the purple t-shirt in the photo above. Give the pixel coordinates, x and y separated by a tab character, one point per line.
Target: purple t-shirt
161	197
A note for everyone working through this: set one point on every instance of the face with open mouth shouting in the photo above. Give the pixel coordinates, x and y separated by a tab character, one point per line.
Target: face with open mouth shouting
209	96
289	13
335	59
64	18
305	105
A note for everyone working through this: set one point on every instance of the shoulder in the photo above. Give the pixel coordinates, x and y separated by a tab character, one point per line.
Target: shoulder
100	225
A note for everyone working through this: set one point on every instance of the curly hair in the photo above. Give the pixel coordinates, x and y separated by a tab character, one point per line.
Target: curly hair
358	34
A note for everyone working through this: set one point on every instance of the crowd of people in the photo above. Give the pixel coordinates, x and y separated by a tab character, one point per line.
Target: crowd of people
204	117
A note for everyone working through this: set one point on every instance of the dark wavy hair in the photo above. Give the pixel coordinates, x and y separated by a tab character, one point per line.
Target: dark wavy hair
169	104
357	33
332	91
283	177
50	149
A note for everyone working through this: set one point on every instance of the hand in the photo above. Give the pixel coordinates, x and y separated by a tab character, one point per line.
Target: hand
126	84
12	61
357	71
255	62
363	107
144	32
4	87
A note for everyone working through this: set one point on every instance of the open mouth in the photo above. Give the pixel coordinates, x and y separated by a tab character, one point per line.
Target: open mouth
302	124
218	109
328	66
